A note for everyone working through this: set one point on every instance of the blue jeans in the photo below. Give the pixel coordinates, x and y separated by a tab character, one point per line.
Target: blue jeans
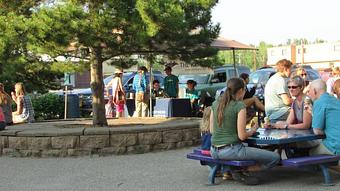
266	159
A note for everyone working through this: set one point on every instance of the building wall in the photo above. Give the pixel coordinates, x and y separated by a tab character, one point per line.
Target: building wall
319	56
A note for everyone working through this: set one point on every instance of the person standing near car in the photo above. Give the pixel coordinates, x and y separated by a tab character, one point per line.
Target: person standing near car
170	83
276	95
118	93
140	85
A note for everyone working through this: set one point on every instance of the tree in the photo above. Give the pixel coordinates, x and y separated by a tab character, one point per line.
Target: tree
17	63
117	29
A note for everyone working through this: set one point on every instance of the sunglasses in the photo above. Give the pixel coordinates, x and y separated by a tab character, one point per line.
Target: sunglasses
292	87
303	74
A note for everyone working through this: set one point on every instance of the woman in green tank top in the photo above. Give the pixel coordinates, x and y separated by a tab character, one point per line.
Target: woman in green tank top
228	127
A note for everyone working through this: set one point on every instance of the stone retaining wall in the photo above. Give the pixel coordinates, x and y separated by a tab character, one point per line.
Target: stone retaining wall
80	141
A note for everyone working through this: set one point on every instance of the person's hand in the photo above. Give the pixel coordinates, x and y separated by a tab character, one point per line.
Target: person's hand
254	128
308	108
280	125
13	96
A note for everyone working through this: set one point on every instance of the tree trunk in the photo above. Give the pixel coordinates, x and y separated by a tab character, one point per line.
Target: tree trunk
97	88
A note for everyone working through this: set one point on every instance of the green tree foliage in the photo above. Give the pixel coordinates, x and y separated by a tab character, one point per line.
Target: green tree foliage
98	30
19	60
246	57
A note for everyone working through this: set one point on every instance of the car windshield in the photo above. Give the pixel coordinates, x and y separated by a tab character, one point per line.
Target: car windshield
199	78
260	76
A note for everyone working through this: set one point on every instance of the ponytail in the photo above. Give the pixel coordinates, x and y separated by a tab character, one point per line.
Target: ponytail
233	85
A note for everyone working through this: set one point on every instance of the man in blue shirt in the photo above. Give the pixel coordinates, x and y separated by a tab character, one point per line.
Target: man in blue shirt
140	85
326	120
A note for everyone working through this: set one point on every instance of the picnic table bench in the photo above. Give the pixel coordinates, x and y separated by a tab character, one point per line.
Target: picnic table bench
216	164
322	161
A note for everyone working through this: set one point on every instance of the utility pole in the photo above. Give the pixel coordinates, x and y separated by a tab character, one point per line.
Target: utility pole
302	53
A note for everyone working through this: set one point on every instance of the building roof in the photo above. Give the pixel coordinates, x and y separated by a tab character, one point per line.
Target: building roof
226	44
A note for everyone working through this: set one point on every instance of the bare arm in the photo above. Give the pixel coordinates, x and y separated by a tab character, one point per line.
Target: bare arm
19	103
286	99
211	122
306	124
291	117
282	124
120	86
107	87
243	134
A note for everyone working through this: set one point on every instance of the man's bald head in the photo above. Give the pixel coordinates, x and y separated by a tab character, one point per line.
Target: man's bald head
317	88
318	84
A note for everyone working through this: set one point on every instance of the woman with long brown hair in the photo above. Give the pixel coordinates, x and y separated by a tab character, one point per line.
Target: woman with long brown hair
6	105
228	128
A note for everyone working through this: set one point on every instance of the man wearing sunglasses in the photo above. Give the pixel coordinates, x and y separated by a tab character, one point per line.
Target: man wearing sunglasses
277	98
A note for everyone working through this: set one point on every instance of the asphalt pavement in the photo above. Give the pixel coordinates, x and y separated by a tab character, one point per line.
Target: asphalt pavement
161	171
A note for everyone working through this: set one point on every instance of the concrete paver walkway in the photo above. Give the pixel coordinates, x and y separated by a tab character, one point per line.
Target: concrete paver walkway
161	171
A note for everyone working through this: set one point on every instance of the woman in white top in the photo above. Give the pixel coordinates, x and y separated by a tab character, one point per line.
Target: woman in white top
118	93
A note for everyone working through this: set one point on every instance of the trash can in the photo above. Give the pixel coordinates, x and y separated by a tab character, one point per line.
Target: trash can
73	110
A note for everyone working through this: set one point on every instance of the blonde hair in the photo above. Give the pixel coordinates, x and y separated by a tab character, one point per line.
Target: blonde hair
21	89
336	88
283	64
335	71
205	124
299	71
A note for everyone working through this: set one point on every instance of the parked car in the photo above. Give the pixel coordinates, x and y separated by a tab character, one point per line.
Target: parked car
209	83
262	75
86	95
312	74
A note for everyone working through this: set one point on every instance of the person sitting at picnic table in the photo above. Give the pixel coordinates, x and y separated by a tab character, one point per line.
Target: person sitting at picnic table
276	95
228	128
206	140
6	105
336	88
24	112
330	82
157	91
302	72
298	118
325	120
192	94
249	99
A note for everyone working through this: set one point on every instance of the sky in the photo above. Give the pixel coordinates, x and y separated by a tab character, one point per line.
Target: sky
276	21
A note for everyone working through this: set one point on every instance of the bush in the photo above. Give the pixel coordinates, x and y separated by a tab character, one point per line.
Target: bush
48	106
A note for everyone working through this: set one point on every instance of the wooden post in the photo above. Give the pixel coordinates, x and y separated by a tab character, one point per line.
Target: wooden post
254	61
65	110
